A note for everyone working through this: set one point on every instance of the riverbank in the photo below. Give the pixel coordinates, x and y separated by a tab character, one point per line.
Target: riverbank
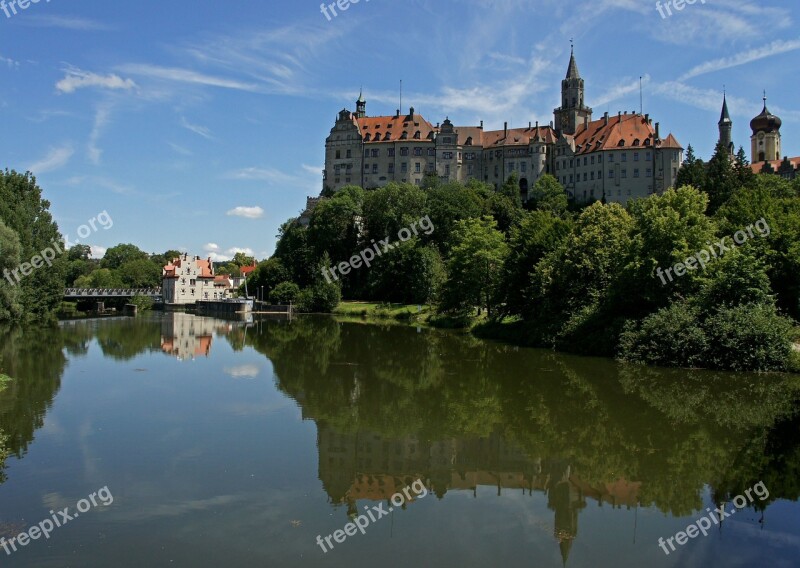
514	332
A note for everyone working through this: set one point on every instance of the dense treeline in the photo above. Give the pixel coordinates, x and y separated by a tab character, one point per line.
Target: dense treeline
603	279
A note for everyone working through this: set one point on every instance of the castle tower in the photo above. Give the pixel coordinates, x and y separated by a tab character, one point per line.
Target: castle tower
765	143
726	127
573	112
361	105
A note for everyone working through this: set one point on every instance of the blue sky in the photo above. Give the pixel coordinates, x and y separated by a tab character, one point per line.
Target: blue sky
201	125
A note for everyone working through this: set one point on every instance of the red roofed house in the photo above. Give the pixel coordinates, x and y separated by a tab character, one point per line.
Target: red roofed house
187	280
614	158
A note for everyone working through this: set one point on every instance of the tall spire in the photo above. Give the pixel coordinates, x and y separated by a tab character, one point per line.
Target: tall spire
725	115
572	70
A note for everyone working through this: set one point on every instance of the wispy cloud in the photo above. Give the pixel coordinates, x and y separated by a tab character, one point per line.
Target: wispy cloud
65	22
268	174
246	212
55	158
93	182
10	63
101	118
180	149
75	79
216	254
196	128
186	76
774	48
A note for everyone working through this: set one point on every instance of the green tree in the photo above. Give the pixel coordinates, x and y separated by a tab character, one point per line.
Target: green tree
391	208
284	293
139	273
409	273
267	275
721	178
450	203
539	233
510	189
10	307
295	252
100	278
692	171
116	256
475	266
549	195
25	212
241	259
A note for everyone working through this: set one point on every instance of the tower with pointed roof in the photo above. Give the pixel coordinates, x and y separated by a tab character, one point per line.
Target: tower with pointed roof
726	127
361	105
572	111
765	143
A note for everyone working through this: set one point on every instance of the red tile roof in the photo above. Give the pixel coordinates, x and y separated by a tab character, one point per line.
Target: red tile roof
776	164
632	130
391	128
204	267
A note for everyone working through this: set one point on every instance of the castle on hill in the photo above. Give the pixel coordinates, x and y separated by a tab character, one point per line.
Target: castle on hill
614	158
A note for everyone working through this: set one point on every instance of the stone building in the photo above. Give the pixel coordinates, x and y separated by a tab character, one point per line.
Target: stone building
186	280
614	158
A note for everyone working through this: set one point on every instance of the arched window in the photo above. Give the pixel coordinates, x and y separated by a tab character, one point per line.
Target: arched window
621	143
417	135
404	135
635	141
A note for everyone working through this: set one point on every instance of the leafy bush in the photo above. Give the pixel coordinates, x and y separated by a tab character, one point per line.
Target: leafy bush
751	337
319	298
143	303
671	337
284	293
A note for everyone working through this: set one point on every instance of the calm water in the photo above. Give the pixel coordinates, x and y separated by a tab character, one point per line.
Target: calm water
234	444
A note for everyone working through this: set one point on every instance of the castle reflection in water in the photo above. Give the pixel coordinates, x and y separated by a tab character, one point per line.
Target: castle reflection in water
368	466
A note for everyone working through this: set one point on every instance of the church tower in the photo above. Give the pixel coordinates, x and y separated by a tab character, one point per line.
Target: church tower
361	105
765	143
726	127
573	112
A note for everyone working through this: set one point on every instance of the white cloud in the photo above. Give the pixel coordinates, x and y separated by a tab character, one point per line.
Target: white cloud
100	120
246	212
211	247
774	48
186	76
98	252
55	158
180	149
243	371
10	62
75	79
65	22
196	128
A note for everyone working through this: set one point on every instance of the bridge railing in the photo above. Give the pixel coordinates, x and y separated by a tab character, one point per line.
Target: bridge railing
110	292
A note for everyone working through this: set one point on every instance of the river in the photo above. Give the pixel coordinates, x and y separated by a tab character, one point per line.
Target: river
196	442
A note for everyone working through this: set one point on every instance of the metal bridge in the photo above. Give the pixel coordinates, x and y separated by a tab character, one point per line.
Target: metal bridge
111	293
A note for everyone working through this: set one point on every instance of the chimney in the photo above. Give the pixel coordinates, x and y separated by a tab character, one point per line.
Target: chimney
411	112
585	121
505	129
605	118
647	117
537	125
658	135
398	113
626	113
529	125
481	125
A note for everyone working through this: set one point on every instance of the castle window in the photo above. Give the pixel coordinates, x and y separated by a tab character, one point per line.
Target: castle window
469	141
636	172
635	141
636	156
431	151
391	168
624	173
649	172
387	136
404	151
366	137
374	168
375	153
611	157
621	143
418	167
404	135
417	151
338	154
624	156
647	156
404	167
417	135
390	152
349	154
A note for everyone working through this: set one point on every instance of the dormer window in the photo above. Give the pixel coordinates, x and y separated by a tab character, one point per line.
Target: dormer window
386	136
469	141
621	143
635	141
417	135
404	135
366	137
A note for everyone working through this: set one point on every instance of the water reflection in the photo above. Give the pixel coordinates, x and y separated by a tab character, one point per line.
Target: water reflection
393	405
